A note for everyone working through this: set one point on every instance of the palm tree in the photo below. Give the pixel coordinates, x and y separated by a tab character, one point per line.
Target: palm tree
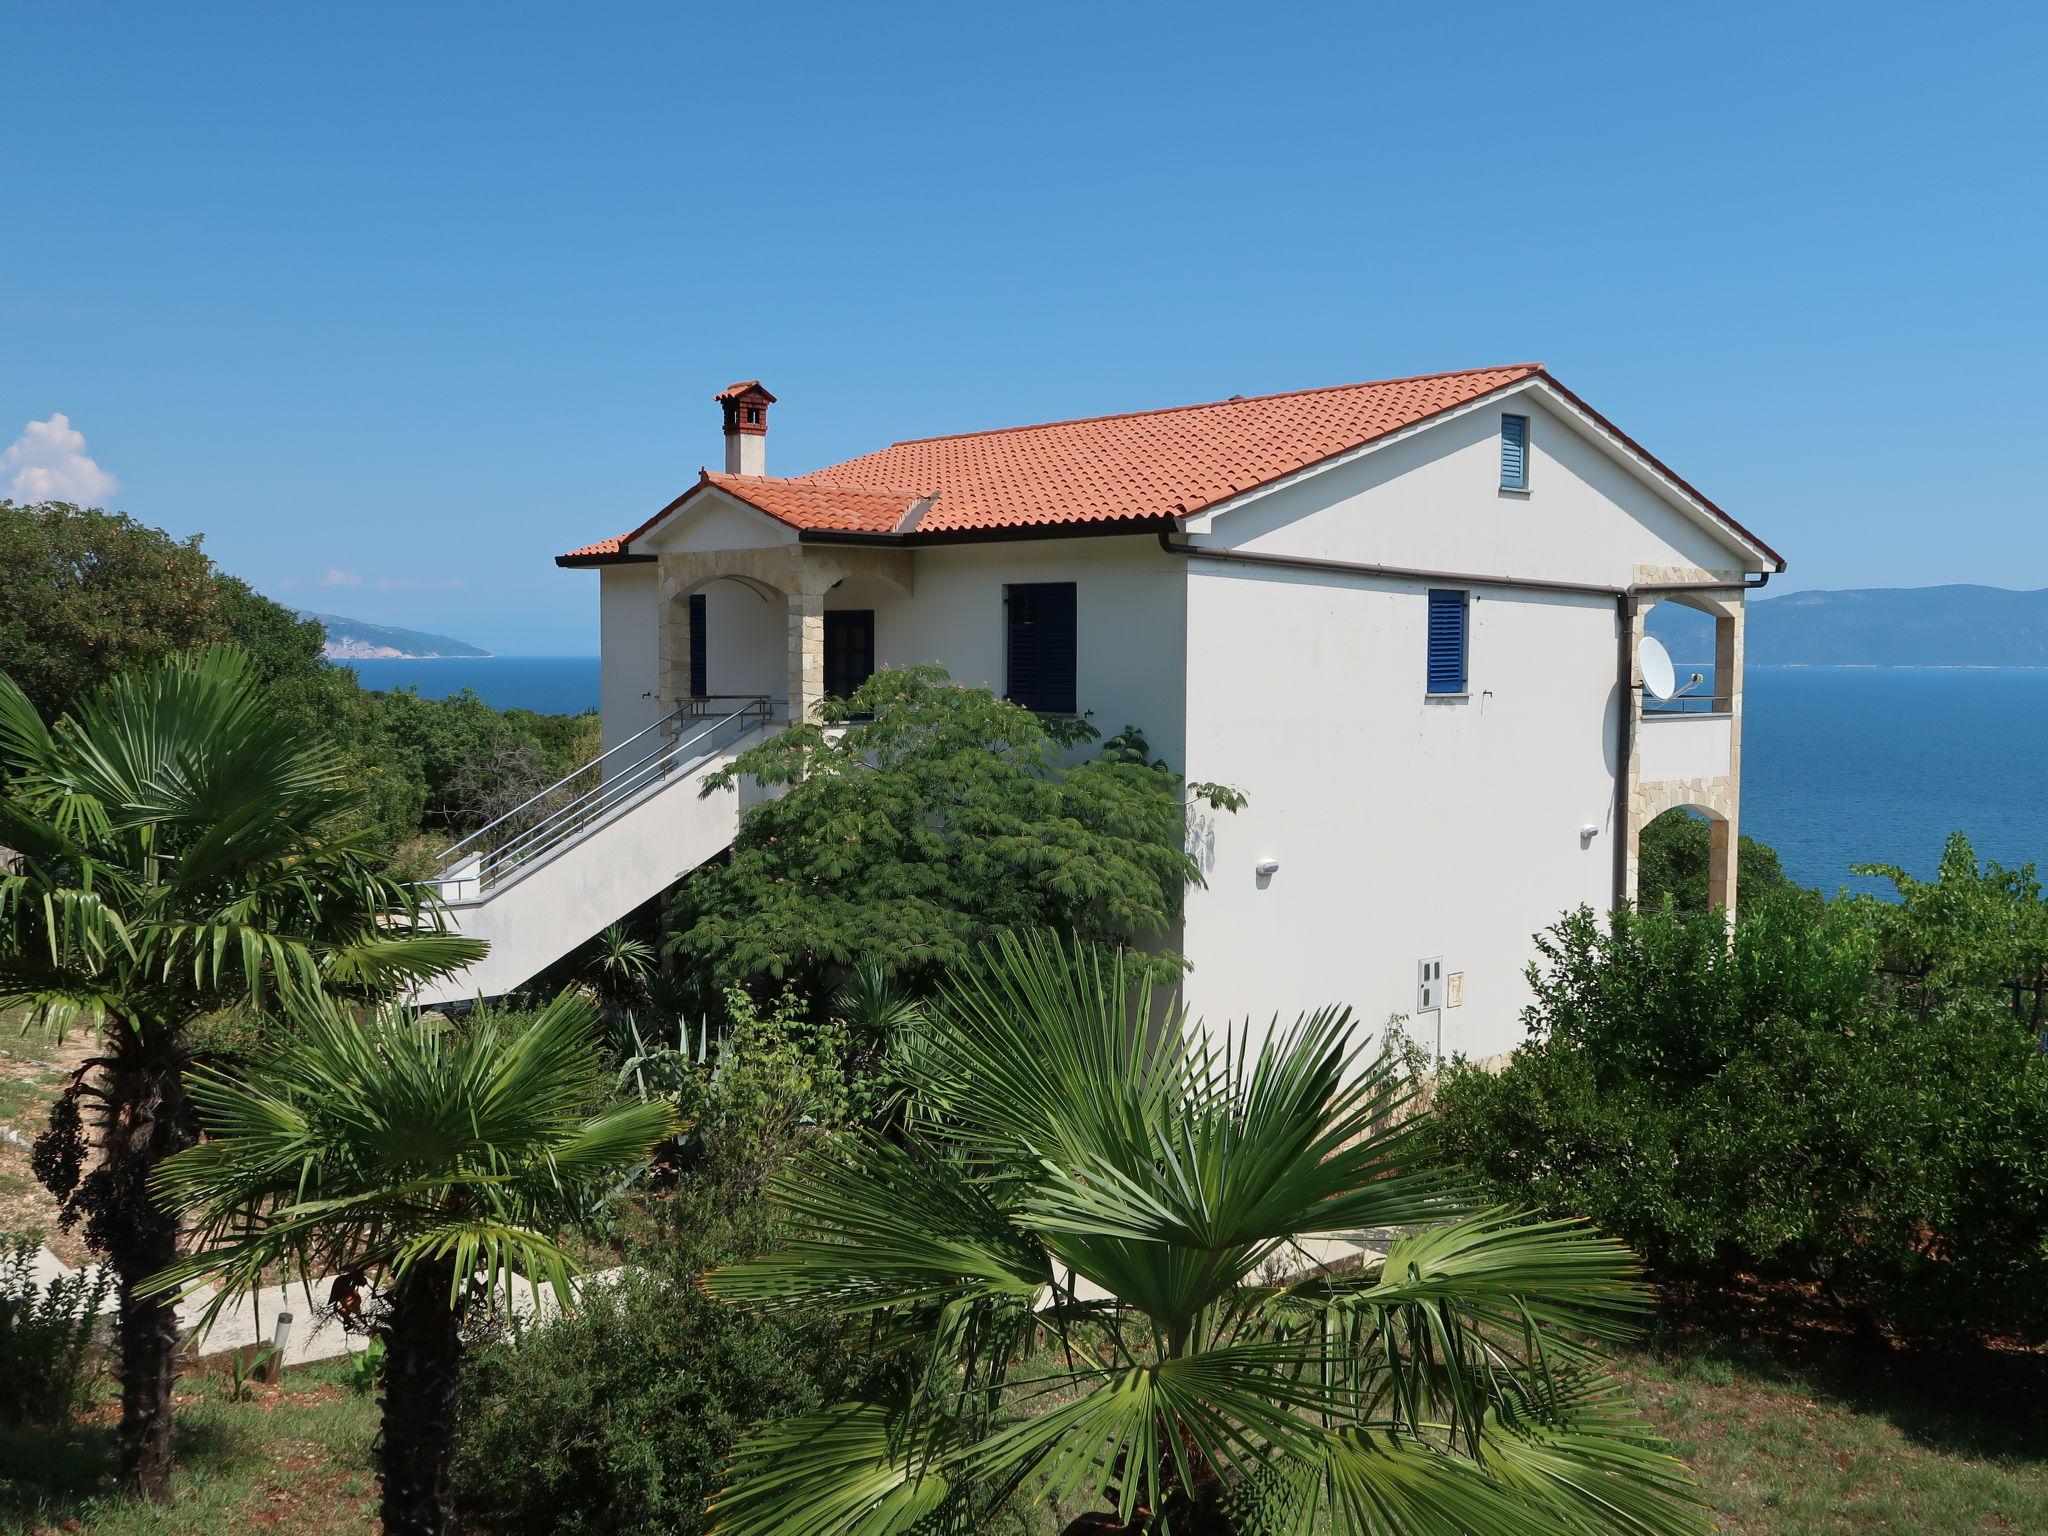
177	851
1098	1262
427	1162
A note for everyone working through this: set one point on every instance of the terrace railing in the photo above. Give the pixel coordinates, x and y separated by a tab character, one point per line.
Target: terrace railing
606	786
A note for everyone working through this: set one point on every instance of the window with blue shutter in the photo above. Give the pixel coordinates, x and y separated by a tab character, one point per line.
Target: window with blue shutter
1039	623
697	643
1514	453
1447	611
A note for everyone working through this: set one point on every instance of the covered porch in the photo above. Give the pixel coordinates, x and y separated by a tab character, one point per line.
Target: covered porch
1685	751
791	622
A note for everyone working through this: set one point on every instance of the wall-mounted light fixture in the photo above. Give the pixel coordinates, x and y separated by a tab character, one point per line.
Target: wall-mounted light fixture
1266	869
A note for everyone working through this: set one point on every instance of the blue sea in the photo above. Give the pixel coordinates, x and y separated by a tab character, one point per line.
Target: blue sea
1841	765
548	685
1853	765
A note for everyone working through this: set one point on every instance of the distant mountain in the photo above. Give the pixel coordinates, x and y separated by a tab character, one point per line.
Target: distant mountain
1957	626
353	640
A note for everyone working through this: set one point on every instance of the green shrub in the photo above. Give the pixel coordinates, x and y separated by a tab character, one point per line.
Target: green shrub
1676	854
1765	1106
46	1334
618	1418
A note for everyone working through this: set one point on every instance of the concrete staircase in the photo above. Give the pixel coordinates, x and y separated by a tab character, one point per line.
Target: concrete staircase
584	852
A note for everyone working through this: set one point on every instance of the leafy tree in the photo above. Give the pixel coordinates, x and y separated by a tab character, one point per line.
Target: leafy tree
439	1162
1765	1107
1093	1272
1971	929
177	850
920	818
620	1418
475	763
86	594
1677	854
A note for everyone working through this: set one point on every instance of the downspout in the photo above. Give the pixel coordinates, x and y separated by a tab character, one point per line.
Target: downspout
1625	607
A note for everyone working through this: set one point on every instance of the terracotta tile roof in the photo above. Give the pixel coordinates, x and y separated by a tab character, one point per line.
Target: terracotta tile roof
1143	468
813	502
1153	465
591	554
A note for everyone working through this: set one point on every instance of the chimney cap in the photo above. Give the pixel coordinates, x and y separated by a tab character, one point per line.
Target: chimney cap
746	389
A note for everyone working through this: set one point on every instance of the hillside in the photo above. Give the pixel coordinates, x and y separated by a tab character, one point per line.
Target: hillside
353	640
1954	626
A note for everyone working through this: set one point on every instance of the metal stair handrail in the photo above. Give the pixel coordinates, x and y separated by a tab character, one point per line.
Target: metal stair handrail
506	844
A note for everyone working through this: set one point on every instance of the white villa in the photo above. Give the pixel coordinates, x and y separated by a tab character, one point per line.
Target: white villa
1403	617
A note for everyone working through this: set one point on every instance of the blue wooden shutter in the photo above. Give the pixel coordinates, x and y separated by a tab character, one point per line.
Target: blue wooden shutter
1042	649
1447	609
1514	453
697	652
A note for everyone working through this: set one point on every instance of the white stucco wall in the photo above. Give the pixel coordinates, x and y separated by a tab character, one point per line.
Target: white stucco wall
1682	746
1405	827
630	645
715	521
1128	625
746	641
1434	500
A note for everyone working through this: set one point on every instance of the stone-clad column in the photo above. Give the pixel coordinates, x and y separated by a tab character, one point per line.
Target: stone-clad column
1727	839
675	645
806	655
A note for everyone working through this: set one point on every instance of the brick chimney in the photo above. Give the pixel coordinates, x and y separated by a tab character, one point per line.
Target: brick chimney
744	407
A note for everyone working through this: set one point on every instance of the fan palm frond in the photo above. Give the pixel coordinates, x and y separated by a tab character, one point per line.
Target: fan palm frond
1092	1169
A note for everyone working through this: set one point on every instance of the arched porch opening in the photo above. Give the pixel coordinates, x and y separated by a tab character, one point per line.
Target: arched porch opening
1685	857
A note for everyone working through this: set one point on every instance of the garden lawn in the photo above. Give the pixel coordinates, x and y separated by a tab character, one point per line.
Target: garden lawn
294	1458
1845	1446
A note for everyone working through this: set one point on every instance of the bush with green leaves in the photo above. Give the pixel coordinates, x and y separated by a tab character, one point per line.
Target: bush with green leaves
1676	854
46	1333
1764	1106
920	818
618	1417
1973	930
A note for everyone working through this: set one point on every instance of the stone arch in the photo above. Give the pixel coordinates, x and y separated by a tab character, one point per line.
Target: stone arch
1713	799
797	575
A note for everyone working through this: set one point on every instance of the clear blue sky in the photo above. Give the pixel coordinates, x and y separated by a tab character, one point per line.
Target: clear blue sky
422	295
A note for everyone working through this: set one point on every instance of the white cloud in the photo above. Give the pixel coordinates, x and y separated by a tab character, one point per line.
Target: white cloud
339	578
48	462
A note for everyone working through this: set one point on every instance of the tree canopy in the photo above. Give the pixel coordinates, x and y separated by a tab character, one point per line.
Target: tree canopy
1676	855
87	595
923	816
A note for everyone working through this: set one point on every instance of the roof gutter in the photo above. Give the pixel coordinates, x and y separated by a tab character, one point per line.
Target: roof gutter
1627	602
1457	578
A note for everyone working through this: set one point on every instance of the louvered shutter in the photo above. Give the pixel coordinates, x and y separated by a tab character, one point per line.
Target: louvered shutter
698	670
1447	610
1514	453
1041	645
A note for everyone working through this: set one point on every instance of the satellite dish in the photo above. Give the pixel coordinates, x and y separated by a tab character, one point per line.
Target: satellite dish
1659	676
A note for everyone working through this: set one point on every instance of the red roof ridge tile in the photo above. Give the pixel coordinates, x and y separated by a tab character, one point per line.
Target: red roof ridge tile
1526	370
